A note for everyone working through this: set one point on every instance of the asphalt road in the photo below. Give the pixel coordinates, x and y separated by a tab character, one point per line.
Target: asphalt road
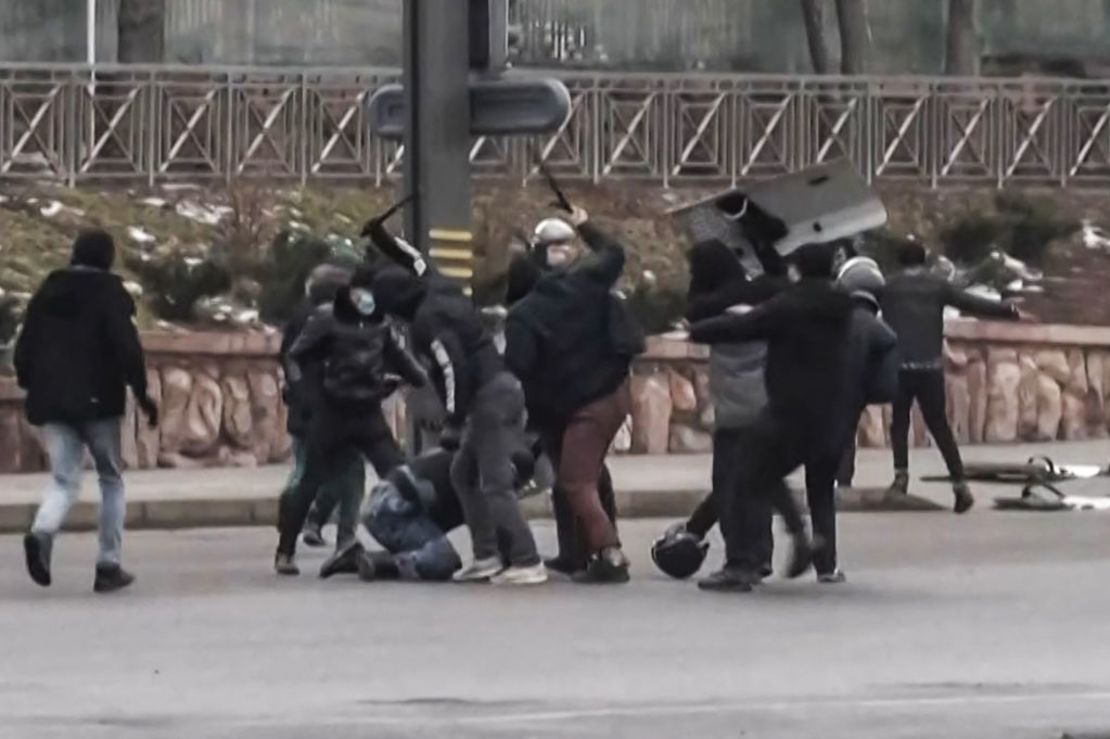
993	625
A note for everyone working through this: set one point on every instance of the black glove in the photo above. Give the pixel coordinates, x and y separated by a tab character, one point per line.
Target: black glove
150	410
451	439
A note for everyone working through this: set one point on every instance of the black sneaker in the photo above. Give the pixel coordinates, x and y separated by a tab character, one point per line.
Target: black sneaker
37	548
901	484
343	562
110	578
312	536
836	577
729	580
801	558
563	565
285	565
610	566
965	501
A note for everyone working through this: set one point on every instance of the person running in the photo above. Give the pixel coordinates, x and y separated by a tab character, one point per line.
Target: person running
913	304
484	403
351	353
571	343
76	356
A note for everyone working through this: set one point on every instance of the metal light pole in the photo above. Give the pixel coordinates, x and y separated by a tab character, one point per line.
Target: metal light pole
90	32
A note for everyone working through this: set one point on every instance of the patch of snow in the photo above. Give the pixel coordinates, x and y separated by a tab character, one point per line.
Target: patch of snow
342	218
298	226
134	289
51	210
180	186
1020	268
3	199
649	278
247	316
139	236
193	262
984	291
209	215
1094	237
153	202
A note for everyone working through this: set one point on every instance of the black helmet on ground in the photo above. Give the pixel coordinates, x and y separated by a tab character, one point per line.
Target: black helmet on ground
679	553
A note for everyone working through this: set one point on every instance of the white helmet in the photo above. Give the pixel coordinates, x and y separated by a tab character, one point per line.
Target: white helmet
553	231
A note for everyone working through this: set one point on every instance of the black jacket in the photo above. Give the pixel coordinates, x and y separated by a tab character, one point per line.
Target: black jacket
348	357
806	328
913	305
560	339
79	349
447	332
871	368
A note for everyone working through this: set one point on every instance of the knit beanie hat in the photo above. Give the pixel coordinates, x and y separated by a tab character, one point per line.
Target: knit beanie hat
94	249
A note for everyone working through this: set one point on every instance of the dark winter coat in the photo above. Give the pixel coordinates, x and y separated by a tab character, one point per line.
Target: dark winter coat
871	366
79	349
805	328
349	356
446	331
913	304
736	371
564	340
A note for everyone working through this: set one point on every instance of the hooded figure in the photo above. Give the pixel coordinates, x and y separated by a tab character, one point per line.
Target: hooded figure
355	362
349	480
805	328
76	356
483	401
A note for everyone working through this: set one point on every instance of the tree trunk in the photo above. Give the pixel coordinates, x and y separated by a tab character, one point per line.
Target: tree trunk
142	31
962	48
854	36
813	13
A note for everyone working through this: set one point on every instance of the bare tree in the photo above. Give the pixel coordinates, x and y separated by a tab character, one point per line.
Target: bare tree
142	31
813	13
962	47
854	36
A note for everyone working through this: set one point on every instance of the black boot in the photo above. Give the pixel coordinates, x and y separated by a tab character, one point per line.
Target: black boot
343	562
801	558
609	566
729	579
562	564
965	501
110	578
377	566
37	547
313	535
901	484
285	565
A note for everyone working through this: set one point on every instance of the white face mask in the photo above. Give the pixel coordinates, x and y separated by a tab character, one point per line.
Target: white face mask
559	255
363	301
793	274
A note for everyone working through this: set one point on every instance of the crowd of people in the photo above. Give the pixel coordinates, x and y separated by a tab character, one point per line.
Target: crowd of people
798	349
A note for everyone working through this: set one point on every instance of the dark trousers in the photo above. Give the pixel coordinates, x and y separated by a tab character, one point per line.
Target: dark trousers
846	472
750	467
927	388
578	450
482	472
821	499
343	491
334	432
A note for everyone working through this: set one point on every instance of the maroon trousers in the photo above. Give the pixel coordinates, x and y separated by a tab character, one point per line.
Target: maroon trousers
579	450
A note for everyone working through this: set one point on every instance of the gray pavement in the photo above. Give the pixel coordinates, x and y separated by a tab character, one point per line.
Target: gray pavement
646	487
990	625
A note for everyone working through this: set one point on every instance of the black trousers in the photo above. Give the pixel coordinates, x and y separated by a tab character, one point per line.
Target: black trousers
927	388
821	498
755	462
335	431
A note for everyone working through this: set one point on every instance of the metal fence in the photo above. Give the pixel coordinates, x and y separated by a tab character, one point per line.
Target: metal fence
75	124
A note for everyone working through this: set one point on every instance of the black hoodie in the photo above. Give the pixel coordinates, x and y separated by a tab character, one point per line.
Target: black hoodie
79	349
447	333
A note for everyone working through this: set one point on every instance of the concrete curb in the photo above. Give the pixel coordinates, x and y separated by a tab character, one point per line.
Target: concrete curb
247	511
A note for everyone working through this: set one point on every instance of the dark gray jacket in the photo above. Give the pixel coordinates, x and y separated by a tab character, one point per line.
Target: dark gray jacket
913	304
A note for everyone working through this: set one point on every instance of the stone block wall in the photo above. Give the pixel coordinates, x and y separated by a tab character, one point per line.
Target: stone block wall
220	397
1006	383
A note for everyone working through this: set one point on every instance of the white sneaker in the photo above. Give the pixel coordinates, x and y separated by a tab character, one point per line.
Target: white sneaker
534	575
480	570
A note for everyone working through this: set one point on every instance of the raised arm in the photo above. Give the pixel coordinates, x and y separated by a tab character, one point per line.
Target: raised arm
979	306
397	249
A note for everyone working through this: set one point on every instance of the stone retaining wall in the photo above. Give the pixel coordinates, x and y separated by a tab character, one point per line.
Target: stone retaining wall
220	397
1006	383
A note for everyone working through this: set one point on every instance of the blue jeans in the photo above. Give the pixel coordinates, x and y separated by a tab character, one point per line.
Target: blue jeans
421	551
65	444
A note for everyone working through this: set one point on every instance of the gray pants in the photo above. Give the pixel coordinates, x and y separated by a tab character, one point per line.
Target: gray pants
482	472
65	444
